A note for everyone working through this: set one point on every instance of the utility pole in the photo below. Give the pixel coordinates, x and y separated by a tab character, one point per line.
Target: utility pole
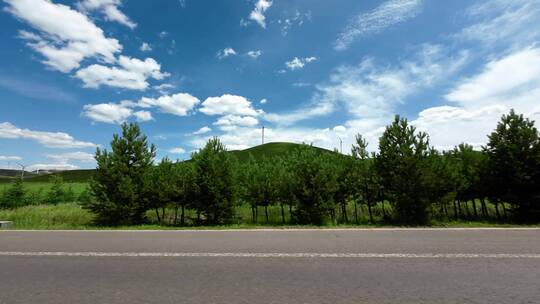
262	137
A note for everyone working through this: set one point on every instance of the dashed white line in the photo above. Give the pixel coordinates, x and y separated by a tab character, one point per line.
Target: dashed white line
277	255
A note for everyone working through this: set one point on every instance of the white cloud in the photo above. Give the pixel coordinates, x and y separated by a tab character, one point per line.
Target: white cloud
10	158
387	14
299	63
494	86
226	52
257	14
372	90
132	73
108	112
110	9
483	98
163	34
228	104
263	101
178	104
203	130
143	116
231	122
145	47
177	150
254	54
48	139
164	88
503	22
298	19
76	156
59	166
65	37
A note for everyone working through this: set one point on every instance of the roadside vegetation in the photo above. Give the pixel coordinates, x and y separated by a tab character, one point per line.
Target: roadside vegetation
407	182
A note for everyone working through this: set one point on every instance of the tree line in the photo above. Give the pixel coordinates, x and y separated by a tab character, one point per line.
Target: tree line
407	177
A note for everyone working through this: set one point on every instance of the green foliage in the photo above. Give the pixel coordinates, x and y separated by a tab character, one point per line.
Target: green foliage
314	185
57	194
118	184
215	177
14	196
400	164
513	153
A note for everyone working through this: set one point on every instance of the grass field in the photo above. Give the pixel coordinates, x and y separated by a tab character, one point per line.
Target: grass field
72	216
43	187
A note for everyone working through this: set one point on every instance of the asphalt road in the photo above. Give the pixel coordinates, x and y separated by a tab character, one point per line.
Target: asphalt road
315	266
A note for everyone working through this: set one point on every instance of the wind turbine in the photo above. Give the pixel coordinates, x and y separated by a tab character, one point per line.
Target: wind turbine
22	169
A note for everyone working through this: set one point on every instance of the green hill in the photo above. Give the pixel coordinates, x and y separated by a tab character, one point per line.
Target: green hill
80	176
269	150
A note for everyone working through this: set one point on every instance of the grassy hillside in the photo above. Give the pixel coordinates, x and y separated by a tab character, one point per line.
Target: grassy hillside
81	176
269	150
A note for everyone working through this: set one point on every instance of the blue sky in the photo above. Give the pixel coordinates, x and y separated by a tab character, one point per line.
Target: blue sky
309	71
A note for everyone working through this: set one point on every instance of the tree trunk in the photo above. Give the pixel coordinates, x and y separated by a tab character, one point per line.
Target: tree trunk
504	210
290	212
344	210
445	207
253	216
175	214
266	213
282	214
497	210
466	205
182	216
383	211
162	214
370	213
485	212
474	208
355	212
256	214
460	211
157	214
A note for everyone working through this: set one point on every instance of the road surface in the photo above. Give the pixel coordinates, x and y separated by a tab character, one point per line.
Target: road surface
297	266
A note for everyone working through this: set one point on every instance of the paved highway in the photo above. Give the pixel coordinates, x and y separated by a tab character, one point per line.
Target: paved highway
268	266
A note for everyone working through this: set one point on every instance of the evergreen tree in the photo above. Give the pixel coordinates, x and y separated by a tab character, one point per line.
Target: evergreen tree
400	164
216	183
314	185
57	193
513	153
118	183
14	196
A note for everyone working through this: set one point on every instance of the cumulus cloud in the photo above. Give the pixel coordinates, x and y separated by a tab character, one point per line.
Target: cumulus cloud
203	130
10	158
178	104
177	150
254	54
76	156
231	122
226	52
297	19
110	9
131	73
112	113
386	15
299	63
57	166
257	14
64	36
228	104
48	139
145	47
115	113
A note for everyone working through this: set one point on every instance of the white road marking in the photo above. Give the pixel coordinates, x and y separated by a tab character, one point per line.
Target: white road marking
277	255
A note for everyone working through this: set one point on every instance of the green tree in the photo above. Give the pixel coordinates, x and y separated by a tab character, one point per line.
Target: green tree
185	189
159	187
363	176
57	193
14	196
314	185
400	164
513	153
118	183
215	177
